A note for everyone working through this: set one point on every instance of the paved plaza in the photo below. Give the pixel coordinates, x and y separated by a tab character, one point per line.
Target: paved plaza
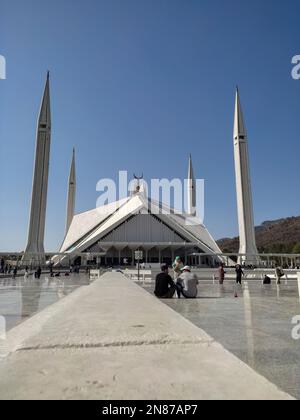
22	298
113	340
113	315
256	326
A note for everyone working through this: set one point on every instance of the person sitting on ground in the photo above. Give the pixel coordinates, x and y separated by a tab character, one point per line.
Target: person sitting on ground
267	280
164	287
187	284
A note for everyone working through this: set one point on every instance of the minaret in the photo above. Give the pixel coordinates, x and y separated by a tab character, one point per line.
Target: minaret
35	246
71	194
191	187
243	188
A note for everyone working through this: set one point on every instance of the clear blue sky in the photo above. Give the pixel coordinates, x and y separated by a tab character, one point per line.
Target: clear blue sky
138	85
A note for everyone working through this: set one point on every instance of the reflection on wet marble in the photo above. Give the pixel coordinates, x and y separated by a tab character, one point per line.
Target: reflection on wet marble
256	326
21	298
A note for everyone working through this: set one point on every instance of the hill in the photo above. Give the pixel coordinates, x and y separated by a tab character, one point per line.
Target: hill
277	236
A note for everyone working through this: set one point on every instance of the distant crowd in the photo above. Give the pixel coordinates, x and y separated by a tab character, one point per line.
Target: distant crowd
181	281
176	280
14	270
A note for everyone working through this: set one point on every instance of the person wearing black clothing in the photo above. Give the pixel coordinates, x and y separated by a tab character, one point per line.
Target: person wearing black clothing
239	273
165	287
38	273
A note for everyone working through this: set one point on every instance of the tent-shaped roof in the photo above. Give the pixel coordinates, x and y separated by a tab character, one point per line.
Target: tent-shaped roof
90	227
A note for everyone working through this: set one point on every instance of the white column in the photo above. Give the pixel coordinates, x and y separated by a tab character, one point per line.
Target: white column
243	188
35	243
191	187
71	194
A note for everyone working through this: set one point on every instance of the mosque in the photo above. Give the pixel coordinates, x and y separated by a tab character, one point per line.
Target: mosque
111	235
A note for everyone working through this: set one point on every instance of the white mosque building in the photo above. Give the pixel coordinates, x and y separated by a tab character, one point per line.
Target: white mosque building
117	230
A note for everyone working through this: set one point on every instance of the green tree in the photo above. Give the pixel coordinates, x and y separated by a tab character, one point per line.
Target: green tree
296	249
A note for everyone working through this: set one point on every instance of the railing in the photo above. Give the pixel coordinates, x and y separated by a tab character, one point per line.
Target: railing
142	276
32	261
257	260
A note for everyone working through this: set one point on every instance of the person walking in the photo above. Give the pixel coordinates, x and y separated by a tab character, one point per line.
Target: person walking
2	263
221	273
278	274
38	272
239	274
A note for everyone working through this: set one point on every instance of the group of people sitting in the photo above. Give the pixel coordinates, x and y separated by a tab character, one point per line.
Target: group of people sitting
184	282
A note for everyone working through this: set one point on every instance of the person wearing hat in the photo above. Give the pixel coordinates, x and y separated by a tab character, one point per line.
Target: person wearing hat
177	267
187	284
164	285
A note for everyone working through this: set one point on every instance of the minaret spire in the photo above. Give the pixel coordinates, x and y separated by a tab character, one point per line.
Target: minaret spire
243	187
35	245
239	123
71	194
191	186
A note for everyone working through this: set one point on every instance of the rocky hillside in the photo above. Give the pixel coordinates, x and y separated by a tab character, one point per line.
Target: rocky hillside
278	236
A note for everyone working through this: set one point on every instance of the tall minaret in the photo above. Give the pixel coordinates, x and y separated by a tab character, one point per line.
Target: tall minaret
191	186
71	194
35	246
243	187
